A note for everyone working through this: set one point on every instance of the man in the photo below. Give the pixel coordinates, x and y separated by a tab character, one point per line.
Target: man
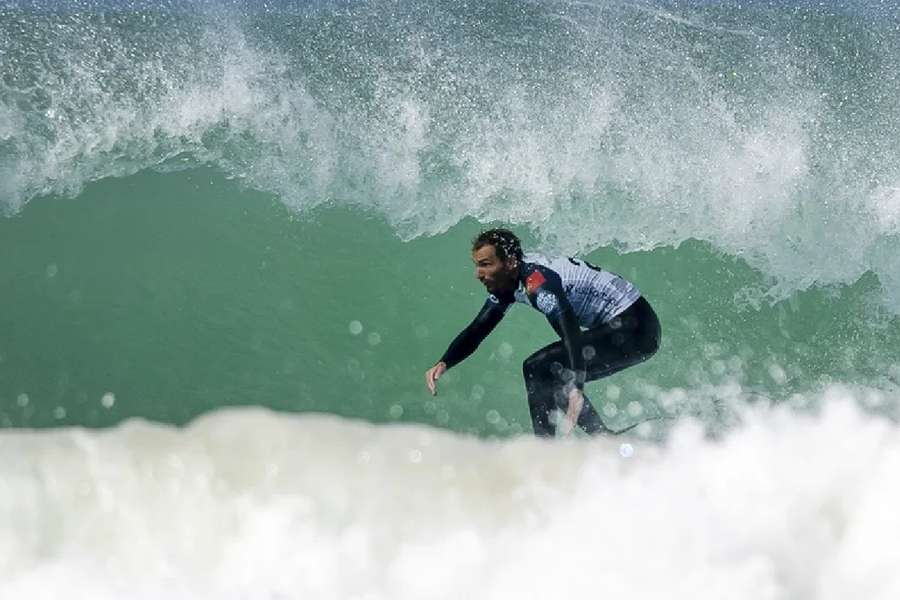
621	328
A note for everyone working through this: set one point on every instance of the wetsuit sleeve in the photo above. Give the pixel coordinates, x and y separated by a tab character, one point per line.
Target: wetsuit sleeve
468	340
552	301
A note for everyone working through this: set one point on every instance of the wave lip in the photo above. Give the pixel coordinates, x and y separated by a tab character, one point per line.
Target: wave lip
248	503
621	125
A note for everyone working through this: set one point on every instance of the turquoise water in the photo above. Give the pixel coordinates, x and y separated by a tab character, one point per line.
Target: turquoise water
182	292
199	202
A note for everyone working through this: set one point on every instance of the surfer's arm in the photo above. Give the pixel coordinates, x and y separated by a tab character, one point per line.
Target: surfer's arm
565	323
552	301
469	338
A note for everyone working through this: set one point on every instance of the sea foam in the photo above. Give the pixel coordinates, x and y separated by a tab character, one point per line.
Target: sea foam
245	503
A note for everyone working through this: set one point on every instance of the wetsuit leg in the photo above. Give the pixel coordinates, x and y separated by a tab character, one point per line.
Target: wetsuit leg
541	384
628	339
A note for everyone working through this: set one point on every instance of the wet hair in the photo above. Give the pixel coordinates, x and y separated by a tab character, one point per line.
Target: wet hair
504	241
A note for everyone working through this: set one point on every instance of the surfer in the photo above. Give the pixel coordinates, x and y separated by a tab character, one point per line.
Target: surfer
620	327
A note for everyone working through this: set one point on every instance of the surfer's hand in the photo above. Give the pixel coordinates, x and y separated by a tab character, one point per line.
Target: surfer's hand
433	374
576	403
568	421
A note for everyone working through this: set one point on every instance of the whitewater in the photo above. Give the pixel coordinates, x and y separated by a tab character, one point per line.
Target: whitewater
249	504
768	130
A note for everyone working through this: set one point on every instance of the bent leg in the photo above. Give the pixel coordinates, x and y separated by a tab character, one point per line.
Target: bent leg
626	340
546	381
541	387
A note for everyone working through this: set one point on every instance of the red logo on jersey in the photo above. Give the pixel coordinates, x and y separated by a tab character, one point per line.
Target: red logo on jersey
534	281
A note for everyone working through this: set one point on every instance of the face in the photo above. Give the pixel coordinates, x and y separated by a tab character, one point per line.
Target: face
495	274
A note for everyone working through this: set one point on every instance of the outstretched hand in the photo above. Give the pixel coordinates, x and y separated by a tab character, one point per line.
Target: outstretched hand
433	374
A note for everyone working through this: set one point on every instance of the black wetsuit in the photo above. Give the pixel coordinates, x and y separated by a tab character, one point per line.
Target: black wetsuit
621	330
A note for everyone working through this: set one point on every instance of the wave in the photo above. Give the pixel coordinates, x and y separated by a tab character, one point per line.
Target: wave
771	134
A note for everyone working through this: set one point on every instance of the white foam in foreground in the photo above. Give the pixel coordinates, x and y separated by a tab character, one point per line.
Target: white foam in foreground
249	504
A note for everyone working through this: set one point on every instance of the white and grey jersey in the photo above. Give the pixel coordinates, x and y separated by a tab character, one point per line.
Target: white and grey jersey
596	295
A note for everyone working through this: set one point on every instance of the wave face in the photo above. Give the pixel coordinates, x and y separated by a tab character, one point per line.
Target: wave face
272	204
249	504
769	131
738	163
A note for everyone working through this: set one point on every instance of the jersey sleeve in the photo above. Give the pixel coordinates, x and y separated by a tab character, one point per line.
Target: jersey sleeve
551	300
469	338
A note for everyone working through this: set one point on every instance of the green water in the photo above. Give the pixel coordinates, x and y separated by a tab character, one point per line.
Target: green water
209	205
179	293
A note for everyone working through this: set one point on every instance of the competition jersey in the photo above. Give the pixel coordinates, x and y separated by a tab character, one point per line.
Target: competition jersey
570	292
595	295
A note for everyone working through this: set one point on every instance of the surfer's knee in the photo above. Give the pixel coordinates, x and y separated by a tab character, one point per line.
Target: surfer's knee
539	366
530	366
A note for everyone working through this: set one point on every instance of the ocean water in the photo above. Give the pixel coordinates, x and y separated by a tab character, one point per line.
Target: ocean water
235	235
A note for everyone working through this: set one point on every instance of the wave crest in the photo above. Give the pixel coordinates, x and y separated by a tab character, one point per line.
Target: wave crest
590	125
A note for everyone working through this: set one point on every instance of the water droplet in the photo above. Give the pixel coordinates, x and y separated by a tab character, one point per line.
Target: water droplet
777	374
108	400
52	270
477	392
711	350
396	411
635	409
610	409
355	327
22	400
59	412
374	338
613	392
626	450
492	417
555	417
355	369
